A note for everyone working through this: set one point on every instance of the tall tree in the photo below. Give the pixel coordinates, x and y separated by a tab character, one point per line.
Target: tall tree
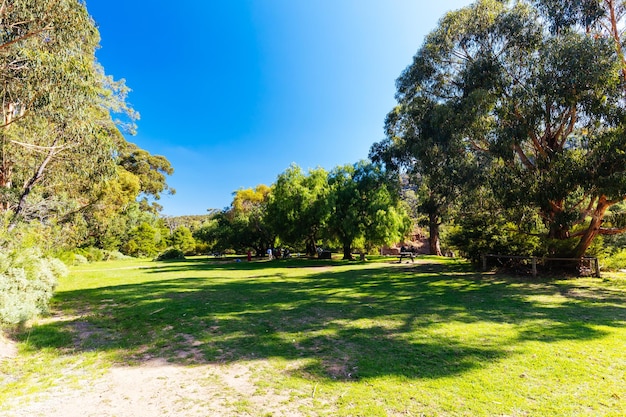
422	139
365	205
298	207
540	100
56	101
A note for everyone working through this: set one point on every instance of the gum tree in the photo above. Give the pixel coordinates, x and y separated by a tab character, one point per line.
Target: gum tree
56	131
541	100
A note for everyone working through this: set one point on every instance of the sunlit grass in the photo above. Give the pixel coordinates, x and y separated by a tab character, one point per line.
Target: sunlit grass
344	338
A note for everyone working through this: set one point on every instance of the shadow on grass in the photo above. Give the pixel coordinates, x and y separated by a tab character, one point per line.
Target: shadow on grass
343	323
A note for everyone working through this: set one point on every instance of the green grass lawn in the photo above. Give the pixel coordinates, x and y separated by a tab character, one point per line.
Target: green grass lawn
432	338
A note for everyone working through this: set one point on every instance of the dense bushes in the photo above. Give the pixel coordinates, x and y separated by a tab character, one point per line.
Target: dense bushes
476	235
615	261
27	282
172	253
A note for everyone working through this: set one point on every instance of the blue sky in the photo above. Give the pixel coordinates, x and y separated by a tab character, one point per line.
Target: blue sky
234	91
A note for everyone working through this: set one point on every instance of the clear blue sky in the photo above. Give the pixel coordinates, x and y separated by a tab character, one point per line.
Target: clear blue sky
234	91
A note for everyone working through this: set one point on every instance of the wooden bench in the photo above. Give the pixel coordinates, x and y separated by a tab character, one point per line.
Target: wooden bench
407	255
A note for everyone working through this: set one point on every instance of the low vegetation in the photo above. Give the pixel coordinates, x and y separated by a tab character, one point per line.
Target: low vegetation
334	338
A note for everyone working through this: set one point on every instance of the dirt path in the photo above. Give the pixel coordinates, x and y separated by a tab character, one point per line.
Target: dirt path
158	388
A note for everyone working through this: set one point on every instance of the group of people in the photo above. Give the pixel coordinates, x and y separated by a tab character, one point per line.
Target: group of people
277	253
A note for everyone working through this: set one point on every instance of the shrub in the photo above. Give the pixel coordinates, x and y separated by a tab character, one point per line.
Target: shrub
476	235
615	261
114	255
92	254
79	260
66	256
27	282
169	254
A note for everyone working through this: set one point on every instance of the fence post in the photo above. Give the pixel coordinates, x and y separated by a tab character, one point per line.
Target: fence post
534	267
484	259
597	266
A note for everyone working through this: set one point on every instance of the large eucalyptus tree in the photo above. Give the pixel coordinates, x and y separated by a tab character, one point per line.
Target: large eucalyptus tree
57	130
536	89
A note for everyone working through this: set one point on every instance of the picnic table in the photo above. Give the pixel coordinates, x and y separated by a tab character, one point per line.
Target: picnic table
407	255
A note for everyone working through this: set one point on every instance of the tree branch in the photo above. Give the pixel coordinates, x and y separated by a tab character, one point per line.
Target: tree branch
29	186
527	162
38	147
24	37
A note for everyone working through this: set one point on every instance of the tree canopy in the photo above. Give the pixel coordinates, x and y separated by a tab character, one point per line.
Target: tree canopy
299	207
533	92
365	205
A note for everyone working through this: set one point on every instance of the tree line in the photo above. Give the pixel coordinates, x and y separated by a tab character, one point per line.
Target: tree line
352	207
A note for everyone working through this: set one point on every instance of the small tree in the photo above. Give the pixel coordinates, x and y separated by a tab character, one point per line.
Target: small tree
183	240
144	241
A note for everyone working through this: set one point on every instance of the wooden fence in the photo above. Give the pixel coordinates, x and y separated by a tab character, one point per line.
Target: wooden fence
593	264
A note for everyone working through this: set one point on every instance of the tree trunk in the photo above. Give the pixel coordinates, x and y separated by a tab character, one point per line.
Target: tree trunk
29	186
347	252
433	240
594	227
311	247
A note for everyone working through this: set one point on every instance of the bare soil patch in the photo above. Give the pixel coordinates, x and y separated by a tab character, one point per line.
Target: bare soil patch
8	348
158	388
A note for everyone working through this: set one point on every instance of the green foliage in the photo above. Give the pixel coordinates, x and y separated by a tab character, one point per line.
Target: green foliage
298	207
63	158
91	254
526	96
27	277
145	241
243	225
58	137
209	233
78	259
486	233
614	262
183	240
365	205
171	254
27	282
150	170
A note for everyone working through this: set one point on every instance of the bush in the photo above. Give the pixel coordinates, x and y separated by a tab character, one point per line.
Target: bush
202	248
170	254
476	235
113	255
615	261
79	260
27	282
66	256
92	254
